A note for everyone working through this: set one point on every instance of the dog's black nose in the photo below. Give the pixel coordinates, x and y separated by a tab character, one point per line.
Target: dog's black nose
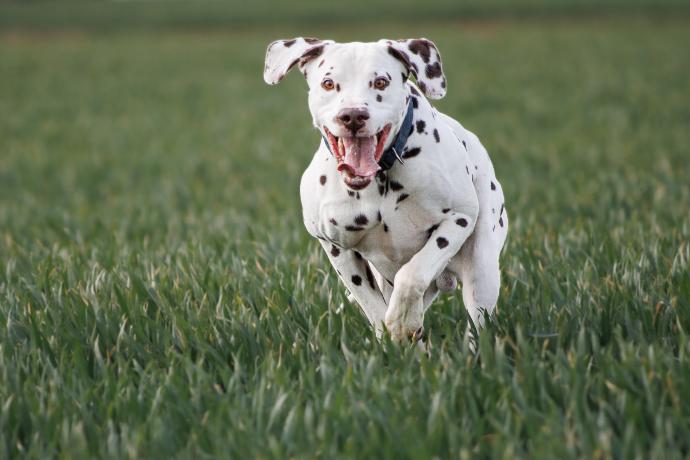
353	119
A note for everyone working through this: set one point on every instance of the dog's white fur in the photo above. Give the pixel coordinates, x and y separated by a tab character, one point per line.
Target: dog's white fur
421	225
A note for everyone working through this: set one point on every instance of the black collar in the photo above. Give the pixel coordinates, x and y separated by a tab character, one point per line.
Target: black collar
394	151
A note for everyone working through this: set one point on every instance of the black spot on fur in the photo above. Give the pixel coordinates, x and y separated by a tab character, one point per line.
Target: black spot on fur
464	145
421	47
420	126
351	192
402	197
493	186
422	86
370	278
310	54
357	195
502	208
436	136
358	255
445	210
333	221
415	103
441	242
382	189
443	83
322	179
396	186
385	227
337	87
379	98
289	43
361	219
500	221
467	169
353	228
413	90
400	55
434	70
411	152
357	280
321	63
461	222
335	252
378	216
431	230
404	77
311	40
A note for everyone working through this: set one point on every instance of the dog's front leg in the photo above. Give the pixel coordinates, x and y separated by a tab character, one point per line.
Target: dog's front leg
355	273
405	315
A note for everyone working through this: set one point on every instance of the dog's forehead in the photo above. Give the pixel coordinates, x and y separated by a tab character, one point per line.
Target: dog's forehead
364	56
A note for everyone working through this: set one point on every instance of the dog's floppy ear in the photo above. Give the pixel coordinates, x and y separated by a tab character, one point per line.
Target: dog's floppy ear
282	55
421	57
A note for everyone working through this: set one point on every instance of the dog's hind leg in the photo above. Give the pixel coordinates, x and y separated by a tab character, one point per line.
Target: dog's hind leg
481	281
478	260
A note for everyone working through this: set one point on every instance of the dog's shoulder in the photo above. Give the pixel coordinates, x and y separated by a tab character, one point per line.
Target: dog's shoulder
435	160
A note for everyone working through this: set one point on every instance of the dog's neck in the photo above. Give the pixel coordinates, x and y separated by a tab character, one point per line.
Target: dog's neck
394	151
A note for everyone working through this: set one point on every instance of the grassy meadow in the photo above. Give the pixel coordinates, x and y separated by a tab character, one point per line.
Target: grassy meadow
160	298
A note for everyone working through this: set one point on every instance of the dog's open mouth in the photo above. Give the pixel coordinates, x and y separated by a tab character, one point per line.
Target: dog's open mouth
358	157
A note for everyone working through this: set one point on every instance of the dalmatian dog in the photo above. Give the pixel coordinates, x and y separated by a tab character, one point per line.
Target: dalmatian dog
402	198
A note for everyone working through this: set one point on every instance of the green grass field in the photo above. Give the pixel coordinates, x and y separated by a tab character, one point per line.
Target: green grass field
159	296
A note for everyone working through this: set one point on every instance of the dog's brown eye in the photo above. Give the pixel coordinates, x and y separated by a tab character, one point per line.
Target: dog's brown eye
380	83
327	84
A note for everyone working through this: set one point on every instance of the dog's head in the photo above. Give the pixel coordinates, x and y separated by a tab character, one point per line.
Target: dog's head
357	92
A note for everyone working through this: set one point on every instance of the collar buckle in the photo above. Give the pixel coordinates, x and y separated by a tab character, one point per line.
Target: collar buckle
397	155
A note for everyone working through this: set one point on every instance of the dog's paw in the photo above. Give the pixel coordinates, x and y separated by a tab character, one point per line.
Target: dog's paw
404	331
418	335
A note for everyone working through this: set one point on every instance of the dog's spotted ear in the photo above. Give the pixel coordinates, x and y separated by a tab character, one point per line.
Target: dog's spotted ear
282	55
421	58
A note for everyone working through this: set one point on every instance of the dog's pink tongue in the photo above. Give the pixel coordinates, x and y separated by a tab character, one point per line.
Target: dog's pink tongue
359	156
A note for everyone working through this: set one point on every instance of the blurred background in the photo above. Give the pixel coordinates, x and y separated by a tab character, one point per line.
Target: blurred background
123	109
159	295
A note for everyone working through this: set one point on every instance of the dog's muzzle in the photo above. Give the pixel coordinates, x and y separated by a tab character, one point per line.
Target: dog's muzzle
358	156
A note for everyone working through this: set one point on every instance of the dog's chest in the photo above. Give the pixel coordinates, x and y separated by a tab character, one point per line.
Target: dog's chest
383	222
